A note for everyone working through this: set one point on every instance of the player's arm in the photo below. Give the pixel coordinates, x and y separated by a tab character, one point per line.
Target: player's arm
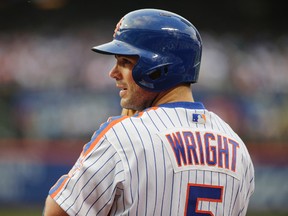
52	208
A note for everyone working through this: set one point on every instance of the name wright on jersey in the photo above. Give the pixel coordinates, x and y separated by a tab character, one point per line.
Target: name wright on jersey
190	149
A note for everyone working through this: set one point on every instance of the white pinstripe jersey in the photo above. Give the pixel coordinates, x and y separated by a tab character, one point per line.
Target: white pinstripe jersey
175	159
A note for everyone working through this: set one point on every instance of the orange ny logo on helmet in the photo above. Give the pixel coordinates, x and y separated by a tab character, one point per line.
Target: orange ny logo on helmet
117	27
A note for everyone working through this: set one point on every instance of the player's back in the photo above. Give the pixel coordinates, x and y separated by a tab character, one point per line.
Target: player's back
180	159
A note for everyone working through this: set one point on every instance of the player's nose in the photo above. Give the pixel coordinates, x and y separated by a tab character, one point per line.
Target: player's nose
114	73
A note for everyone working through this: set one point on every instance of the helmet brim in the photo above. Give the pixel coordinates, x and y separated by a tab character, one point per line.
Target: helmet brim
116	47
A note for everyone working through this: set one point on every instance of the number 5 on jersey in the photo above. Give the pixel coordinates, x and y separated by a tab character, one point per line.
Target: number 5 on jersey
201	192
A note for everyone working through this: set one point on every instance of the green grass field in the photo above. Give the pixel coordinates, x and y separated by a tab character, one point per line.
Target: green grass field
21	212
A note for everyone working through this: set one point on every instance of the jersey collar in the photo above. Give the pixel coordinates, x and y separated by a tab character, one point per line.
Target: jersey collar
184	104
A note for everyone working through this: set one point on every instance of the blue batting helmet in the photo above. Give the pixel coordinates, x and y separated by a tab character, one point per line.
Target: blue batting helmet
169	48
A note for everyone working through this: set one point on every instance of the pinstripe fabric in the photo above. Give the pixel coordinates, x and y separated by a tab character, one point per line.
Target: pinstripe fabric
129	168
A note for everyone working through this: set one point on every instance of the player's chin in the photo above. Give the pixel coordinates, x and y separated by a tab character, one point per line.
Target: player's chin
124	104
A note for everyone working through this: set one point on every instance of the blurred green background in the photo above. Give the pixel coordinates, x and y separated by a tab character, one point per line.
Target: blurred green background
55	92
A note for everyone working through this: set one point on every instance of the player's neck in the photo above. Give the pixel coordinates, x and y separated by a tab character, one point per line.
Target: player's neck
180	93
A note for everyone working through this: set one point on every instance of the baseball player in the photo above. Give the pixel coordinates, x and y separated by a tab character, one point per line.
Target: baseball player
166	154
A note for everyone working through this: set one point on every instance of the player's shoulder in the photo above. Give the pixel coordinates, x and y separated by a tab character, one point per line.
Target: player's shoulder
114	120
101	132
111	121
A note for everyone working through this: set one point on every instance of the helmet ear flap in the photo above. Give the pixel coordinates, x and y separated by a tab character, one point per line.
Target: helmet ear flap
154	75
153	79
158	73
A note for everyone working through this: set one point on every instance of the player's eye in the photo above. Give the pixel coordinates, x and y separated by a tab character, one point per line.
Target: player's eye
124	62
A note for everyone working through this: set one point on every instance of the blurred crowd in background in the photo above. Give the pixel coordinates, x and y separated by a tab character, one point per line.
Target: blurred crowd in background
55	91
54	86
